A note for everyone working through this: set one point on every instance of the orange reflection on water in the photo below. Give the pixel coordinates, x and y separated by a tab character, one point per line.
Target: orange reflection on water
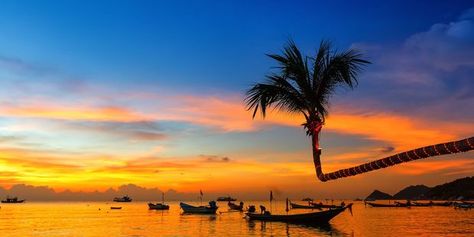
134	219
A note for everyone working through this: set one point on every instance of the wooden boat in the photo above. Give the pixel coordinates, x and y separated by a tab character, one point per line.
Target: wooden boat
115	208
125	198
226	199
13	200
398	204
236	207
443	204
158	206
322	217
211	209
299	206
464	205
421	204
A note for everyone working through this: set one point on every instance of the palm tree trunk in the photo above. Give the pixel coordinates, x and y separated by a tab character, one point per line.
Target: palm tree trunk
463	145
317	156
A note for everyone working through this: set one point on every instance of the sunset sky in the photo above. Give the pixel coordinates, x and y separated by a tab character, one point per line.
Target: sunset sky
95	95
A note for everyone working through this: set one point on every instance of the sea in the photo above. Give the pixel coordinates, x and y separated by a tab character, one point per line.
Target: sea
134	219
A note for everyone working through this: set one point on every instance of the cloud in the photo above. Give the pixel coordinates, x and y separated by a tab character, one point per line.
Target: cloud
135	131
447	46
214	158
21	66
75	112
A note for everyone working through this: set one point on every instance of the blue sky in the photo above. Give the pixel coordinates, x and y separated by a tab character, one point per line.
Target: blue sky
205	44
112	88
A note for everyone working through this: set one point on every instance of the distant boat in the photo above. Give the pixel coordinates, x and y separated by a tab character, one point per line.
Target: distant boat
315	218
125	198
307	199
397	204
236	207
299	206
464	205
442	204
115	208
226	199
422	204
158	206
211	209
13	200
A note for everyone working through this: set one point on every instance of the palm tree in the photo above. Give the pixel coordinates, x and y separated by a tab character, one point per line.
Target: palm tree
305	84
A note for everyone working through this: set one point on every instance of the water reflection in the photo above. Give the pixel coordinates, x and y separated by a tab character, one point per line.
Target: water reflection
95	219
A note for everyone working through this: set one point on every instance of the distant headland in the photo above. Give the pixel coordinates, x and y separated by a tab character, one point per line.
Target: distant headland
459	189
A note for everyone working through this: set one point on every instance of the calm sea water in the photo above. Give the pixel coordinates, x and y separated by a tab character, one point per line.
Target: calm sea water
134	219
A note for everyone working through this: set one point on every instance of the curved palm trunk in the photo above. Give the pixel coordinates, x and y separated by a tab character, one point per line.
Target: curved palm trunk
415	154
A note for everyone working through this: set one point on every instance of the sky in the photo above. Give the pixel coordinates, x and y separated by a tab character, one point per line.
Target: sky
99	94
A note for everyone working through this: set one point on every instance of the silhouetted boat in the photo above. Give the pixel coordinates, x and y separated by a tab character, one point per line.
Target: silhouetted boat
13	200
211	209
464	205
307	199
422	204
115	208
398	204
299	206
226	199
322	217
442	204
125	198
236	207
158	206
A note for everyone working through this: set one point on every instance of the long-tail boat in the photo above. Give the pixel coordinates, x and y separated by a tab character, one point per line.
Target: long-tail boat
211	209
398	204
13	200
422	204
226	199
315	218
235	207
299	206
158	206
443	204
125	198
464	205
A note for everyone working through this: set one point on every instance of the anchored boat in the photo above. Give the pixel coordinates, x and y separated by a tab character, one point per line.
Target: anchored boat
235	207
158	206
397	204
322	217
226	199
299	206
13	200
125	198
211	209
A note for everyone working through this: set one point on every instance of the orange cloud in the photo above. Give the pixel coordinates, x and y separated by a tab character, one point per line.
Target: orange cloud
57	111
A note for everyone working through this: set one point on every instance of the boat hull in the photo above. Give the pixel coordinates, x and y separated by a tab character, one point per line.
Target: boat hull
152	206
19	201
235	207
197	210
385	205
298	206
314	218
